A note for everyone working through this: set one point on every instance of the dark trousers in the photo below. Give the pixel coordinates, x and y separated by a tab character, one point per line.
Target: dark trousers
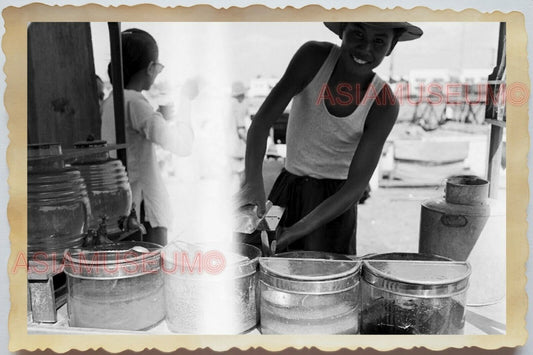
156	235
300	195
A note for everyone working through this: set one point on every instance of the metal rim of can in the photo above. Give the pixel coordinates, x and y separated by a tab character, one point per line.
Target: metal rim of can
423	295
314	287
418	291
442	206
355	267
378	279
44	149
104	269
239	270
469	190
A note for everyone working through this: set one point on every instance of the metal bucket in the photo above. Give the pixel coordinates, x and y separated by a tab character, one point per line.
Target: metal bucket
115	286
309	293
404	293
210	288
467	225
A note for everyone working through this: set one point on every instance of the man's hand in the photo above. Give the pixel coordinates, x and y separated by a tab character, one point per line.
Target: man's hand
253	194
284	237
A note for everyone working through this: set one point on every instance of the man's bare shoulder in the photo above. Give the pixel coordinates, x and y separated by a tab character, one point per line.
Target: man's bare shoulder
314	51
307	62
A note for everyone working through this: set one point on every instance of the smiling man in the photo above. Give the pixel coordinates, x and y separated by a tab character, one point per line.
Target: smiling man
341	115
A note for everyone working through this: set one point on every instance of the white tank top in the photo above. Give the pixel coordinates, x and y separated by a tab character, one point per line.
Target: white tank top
319	144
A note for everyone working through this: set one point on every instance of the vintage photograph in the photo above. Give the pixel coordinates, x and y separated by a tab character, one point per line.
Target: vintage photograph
195	177
257	178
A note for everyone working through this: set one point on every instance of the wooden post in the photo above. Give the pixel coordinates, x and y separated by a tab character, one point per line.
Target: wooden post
62	96
118	88
496	114
495	158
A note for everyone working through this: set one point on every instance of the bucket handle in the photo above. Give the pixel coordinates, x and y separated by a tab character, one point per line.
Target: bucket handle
454	221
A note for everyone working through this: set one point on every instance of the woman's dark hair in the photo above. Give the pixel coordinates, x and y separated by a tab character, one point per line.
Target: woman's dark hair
139	48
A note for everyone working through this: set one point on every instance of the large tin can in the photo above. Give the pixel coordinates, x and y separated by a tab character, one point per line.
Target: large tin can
210	288
467	225
405	293
309	293
115	286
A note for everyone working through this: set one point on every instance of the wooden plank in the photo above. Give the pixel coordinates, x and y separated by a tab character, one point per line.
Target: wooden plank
497	114
115	40
495	159
62	94
496	122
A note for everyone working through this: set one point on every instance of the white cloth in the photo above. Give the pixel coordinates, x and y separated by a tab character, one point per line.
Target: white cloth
144	128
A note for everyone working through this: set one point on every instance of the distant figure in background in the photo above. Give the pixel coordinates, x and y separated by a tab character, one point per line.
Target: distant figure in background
145	128
237	128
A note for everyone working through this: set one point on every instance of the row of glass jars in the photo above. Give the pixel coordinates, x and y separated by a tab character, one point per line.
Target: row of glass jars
65	201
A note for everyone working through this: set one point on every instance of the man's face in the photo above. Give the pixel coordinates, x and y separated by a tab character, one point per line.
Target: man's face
366	45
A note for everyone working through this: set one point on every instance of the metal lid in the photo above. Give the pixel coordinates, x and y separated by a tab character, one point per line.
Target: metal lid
113	261
444	206
216	259
309	269
432	277
44	150
45	157
90	144
309	254
91	157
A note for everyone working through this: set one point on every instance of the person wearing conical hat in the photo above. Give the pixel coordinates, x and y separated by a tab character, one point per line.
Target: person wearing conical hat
341	115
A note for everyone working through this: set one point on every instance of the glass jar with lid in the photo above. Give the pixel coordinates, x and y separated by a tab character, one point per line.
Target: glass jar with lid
404	293
309	293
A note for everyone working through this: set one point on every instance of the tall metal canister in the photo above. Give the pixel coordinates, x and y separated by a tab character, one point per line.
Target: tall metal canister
466	225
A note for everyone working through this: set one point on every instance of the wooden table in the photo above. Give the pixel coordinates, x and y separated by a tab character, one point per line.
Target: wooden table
484	320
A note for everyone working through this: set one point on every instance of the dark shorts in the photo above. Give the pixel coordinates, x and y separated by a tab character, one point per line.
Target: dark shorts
156	235
300	195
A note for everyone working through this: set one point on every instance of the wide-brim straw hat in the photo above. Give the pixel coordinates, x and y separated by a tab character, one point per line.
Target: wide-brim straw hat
410	31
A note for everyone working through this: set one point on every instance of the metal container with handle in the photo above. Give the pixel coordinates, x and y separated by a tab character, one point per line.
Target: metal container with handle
467	225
